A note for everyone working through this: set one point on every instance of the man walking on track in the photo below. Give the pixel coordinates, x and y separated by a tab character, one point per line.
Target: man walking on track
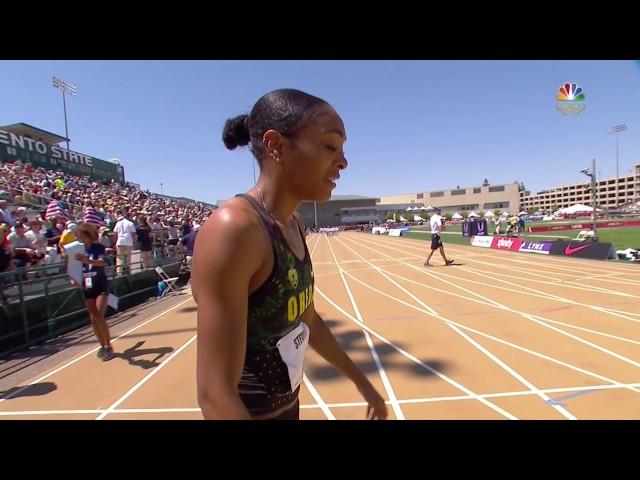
436	242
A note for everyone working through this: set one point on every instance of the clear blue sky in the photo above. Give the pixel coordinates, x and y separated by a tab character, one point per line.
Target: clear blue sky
412	125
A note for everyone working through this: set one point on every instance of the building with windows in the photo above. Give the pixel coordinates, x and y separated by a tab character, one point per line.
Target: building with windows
611	193
482	198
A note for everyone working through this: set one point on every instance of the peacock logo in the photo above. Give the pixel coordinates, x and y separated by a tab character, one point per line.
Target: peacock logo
570	97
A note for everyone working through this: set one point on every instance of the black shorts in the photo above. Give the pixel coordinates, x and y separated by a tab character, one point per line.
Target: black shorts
172	241
436	241
98	288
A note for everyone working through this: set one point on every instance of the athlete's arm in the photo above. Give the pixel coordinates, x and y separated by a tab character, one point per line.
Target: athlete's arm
322	341
225	259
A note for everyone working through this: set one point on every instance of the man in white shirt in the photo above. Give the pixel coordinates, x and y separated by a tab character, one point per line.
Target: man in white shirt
437	226
24	250
125	232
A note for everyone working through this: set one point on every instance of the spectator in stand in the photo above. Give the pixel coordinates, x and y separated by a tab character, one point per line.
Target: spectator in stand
125	232
172	242
24	250
143	232
189	242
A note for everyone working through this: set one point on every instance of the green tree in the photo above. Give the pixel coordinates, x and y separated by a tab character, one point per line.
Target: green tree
447	216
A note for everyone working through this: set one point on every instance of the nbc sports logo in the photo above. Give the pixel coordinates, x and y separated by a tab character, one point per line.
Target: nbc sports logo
570	99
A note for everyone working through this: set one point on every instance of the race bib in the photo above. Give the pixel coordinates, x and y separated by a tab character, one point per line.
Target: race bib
292	348
88	282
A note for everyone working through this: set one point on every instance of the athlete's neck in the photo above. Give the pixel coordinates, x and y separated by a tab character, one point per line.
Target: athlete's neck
277	200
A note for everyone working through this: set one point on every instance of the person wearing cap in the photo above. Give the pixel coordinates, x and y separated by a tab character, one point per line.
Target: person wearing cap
21	215
36	236
95	286
437	226
24	249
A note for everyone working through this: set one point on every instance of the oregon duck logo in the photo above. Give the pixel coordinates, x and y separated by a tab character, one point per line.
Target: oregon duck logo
293	277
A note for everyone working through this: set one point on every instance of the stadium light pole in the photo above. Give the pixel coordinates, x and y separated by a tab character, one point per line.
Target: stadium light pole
615	130
592	173
161	188
71	89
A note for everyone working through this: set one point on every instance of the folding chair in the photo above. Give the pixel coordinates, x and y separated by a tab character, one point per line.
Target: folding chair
585	235
170	281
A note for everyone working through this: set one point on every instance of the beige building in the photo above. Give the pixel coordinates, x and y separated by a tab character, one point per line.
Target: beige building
609	193
483	198
329	213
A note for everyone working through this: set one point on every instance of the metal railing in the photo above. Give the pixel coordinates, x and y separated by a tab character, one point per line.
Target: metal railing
40	303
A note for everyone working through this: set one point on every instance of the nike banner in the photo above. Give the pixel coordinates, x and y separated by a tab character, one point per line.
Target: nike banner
586	249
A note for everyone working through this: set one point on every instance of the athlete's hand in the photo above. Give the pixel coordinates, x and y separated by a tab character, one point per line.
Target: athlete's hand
377	409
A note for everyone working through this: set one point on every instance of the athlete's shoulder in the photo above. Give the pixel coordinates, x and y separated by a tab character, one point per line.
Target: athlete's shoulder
236	216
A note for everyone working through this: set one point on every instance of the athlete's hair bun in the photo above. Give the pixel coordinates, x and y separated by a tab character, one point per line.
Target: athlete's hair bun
236	132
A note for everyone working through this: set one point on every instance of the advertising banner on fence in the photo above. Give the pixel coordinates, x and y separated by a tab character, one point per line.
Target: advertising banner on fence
506	243
543	248
593	250
482	241
395	232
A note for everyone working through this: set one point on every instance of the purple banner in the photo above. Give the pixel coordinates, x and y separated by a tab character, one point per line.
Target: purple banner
536	247
466	229
482	228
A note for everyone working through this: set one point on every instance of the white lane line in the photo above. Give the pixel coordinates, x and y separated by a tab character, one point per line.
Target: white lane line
383	375
482	349
316	396
146	378
533	318
440	375
93	350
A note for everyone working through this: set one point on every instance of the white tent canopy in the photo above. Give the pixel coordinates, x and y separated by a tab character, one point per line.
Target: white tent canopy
418	218
504	214
423	208
457	216
489	214
409	209
402	219
523	213
473	214
577	208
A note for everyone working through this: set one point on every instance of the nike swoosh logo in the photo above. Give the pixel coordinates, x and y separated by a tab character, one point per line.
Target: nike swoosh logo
571	251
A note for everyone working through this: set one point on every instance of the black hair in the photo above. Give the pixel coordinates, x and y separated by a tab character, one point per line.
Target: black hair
285	110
